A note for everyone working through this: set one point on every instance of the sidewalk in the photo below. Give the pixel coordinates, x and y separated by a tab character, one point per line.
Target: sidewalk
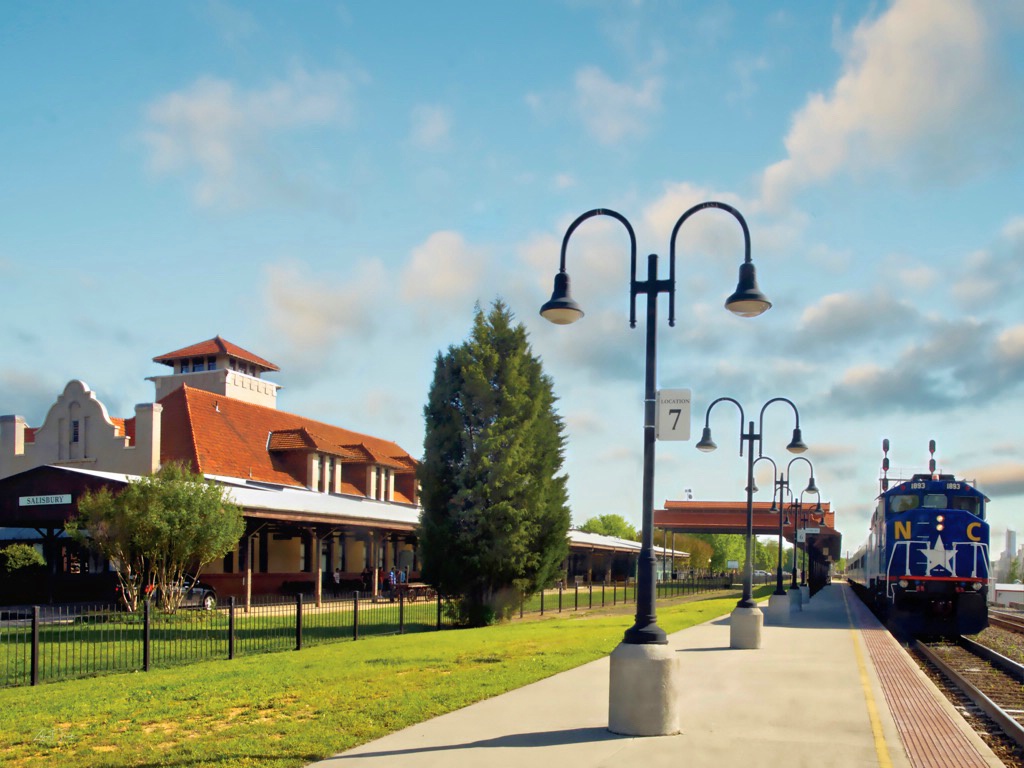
809	696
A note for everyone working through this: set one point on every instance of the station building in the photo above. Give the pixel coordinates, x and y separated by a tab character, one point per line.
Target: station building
315	497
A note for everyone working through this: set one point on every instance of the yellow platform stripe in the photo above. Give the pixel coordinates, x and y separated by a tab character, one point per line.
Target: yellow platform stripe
881	748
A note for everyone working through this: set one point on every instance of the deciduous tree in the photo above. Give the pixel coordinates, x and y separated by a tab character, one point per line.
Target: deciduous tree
158	528
610	525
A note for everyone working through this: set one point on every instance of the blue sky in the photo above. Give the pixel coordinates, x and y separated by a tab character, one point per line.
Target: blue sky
334	186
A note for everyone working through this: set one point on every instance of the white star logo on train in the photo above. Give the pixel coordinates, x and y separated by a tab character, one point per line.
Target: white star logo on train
939	557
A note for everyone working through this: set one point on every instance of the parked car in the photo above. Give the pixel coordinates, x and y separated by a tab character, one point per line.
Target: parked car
196	594
199	593
762	574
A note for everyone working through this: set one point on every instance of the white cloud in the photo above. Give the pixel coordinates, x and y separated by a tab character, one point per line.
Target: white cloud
444	267
1010	346
845	318
312	313
708	234
919	94
564	181
1005	479
218	132
431	126
612	111
746	69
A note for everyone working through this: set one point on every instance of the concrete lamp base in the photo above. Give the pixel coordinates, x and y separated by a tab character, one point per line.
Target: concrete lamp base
778	609
745	627
805	594
644	692
796	600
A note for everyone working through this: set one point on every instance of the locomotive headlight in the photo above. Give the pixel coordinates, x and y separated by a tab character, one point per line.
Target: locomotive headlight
939	527
977	586
940	518
904	583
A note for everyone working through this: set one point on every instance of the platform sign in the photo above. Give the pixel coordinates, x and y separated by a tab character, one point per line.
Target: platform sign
803	533
672	419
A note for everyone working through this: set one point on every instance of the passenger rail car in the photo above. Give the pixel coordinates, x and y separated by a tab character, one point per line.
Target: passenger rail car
924	567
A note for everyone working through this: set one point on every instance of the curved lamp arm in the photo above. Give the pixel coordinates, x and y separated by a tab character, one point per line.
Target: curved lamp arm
561	308
747	300
811	486
797	444
706	444
775	470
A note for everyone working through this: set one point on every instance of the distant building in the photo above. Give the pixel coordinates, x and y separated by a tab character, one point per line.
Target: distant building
1002	568
316	497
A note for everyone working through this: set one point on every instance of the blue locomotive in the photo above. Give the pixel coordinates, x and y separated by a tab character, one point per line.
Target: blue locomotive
924	568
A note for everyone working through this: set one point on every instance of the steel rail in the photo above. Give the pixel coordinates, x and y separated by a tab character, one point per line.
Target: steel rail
1013	729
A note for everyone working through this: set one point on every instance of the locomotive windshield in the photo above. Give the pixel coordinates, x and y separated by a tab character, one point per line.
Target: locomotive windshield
904	502
970	504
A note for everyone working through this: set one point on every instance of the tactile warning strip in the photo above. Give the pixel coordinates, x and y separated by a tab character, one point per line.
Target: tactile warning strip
930	737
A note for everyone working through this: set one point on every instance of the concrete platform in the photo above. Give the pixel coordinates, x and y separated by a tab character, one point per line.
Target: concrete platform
828	688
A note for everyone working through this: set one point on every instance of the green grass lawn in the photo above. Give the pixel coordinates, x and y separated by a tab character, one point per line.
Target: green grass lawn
292	708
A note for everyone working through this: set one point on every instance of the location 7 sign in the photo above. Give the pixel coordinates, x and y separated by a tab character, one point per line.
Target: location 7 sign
672	420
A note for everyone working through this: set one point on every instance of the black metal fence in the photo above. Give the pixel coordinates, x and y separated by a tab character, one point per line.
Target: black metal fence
50	643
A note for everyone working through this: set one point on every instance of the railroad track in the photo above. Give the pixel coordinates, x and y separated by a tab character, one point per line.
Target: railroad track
1011	621
992	682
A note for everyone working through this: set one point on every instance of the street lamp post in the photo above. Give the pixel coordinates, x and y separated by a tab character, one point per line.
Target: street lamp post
747	619
776	610
633	683
795	597
804	588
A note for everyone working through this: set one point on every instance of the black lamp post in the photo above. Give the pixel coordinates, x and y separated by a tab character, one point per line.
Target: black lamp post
777	484
807	518
747	301
797	524
707	445
811	488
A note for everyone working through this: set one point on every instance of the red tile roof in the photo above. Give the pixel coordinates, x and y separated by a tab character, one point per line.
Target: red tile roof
302	439
215	346
219	435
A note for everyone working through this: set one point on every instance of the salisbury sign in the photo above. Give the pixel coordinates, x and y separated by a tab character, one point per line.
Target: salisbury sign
39	501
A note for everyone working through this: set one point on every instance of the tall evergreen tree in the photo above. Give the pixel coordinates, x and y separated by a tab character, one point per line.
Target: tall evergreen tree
495	508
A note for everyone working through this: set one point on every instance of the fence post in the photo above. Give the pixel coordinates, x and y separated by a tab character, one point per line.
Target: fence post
559	597
401	613
577	607
355	615
145	635
35	645
542	601
439	609
298	622
590	595
231	627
